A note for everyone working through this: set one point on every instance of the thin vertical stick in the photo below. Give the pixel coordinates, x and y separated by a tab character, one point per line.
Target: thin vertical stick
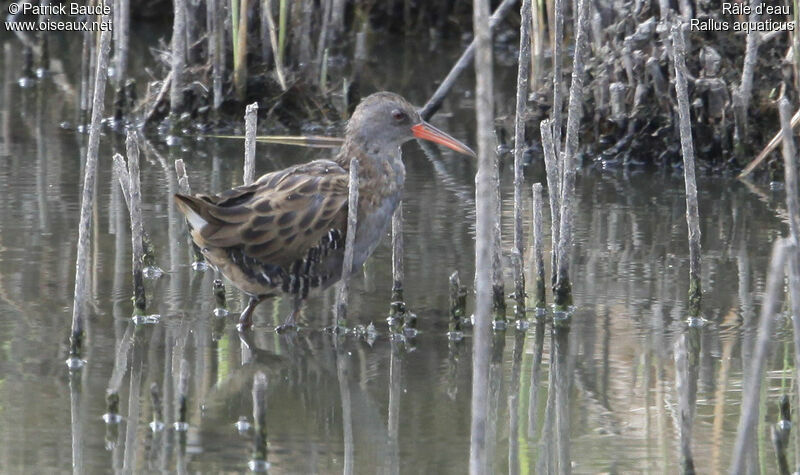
770	307
538	254
780	435
260	418
178	58
687	150
277	44
183	180
240	53
250	126
485	223
563	289
398	306
137	232
350	240
523	74
790	169
790	174
87	201
122	40
553	191
216	44
558	52
750	57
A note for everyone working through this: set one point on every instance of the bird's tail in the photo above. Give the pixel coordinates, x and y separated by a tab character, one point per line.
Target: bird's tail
194	209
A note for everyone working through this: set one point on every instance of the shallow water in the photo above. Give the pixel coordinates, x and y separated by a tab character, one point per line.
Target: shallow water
601	396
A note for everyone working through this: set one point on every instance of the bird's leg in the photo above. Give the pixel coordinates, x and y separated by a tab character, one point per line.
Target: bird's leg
246	318
289	323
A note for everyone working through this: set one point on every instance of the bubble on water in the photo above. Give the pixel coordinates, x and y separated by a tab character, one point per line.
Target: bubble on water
410	332
173	140
242	425
180	426
157	426
499	325
696	322
200	266
74	363
111	418
522	325
25	82
146	319
152	272
41	73
258	465
221	312
540	312
455	335
397	337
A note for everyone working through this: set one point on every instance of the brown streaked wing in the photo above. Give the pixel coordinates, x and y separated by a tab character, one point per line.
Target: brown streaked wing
283	214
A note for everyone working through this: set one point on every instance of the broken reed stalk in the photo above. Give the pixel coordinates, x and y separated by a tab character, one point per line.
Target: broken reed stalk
558	52
117	373
435	102
87	200
398	306
350	240
538	254
553	191
458	304
486	220
260	417
780	435
769	309
523	74
278	43
562	293
498	287
687	150
184	189
178	60
137	230
250	126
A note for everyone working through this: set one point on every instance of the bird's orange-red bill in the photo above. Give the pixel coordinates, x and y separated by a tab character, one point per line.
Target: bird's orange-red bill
426	131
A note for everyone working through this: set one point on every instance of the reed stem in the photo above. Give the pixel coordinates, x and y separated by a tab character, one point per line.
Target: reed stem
523	75
250	126
350	239
562	293
79	305
398	306
137	230
538	253
178	60
486	220
687	150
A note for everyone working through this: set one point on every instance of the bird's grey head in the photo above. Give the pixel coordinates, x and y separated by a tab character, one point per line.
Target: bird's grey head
383	120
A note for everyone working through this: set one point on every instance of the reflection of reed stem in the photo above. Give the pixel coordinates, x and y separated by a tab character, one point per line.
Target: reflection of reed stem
538	253
755	371
260	416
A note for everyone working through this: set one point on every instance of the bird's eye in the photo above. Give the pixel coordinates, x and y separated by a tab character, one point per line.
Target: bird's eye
399	115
